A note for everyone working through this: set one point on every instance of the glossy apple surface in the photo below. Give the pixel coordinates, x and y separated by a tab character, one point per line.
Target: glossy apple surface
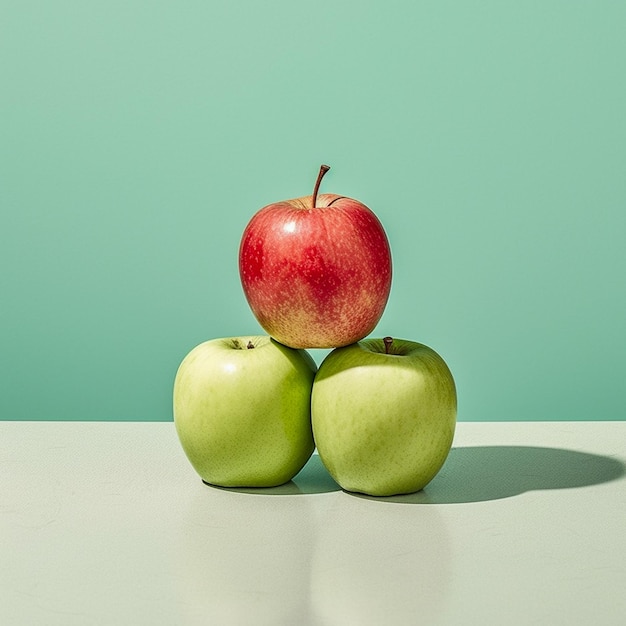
316	270
242	411
383	414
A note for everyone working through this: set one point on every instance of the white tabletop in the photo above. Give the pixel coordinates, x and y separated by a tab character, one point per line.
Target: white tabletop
107	523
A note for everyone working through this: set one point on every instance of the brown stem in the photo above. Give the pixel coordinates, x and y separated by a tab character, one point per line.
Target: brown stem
323	170
387	341
250	345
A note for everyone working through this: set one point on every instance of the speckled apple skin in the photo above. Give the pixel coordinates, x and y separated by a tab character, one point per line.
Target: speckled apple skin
316	277
383	423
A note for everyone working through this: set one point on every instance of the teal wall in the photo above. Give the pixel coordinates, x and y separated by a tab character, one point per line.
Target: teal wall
138	138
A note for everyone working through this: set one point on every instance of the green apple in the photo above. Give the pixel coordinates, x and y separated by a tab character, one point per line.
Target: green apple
383	413
242	411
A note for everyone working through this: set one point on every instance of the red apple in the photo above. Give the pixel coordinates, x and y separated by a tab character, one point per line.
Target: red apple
316	270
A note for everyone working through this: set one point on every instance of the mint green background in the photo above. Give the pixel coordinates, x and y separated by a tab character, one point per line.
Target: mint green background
138	138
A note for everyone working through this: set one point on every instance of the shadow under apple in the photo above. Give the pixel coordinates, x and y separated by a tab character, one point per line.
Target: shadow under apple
482	473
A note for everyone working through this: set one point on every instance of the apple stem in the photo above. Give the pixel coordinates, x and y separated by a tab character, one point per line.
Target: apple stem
323	170
387	341
250	345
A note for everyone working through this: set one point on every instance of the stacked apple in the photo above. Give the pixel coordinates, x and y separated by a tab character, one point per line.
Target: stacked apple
250	410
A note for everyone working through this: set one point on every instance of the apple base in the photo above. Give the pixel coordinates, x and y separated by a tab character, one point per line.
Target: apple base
245	488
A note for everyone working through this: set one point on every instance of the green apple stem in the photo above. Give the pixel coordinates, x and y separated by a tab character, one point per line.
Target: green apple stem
387	341
323	170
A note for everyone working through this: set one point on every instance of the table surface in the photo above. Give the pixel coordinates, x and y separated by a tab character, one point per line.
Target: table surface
107	523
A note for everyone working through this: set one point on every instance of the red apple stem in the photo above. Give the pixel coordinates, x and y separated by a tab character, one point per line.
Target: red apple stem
323	170
387	341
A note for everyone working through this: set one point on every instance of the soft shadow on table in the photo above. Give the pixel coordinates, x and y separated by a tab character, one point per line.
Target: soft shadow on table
482	473
312	478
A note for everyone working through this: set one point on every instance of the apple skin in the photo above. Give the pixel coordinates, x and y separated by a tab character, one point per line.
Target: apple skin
242	414
383	423
316	277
